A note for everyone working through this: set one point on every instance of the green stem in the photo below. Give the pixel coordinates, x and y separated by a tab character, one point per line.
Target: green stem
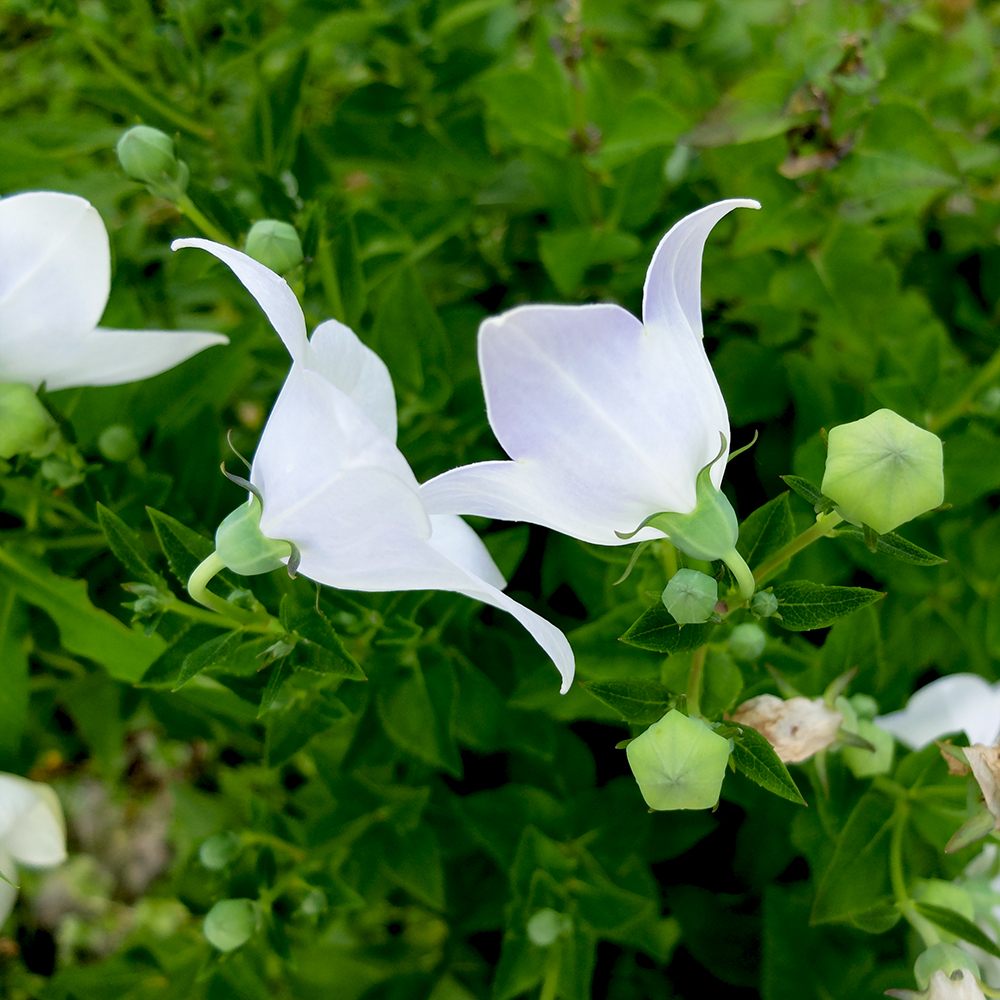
989	373
744	578
198	588
824	525
694	681
189	209
920	924
550	984
135	87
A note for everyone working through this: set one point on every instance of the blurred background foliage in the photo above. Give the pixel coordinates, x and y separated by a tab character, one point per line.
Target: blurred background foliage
443	161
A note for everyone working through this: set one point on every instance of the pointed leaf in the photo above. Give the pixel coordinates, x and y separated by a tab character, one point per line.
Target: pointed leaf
657	631
893	545
210	654
756	758
766	530
324	651
811	494
961	927
637	700
804	605
127	547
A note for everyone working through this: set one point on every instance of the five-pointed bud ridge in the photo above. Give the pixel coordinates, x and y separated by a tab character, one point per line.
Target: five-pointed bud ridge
25	425
147	154
747	641
690	596
764	604
883	471
275	245
679	763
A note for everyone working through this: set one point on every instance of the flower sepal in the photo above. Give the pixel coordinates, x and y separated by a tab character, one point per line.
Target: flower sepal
243	548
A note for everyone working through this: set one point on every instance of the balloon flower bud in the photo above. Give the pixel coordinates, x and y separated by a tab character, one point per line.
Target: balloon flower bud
117	443
883	471
25	425
764	604
242	547
747	641
679	763
230	923
690	596
147	154
275	245
546	926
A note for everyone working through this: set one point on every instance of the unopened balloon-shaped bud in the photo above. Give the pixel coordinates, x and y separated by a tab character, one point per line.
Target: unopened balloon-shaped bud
117	443
275	245
679	763
864	705
221	848
242	547
26	427
866	763
230	923
747	641
546	926
146	154
942	957
764	604
883	471
690	596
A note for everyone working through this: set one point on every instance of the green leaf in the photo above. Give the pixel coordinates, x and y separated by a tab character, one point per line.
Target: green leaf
766	530
185	549
804	605
83	629
961	927
857	880
645	122
13	671
325	651
805	489
755	758
656	630
637	700
893	545
127	547
567	253
210	654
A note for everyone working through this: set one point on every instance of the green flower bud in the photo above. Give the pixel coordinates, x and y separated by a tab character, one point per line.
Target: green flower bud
883	471
275	245
764	604
25	425
243	548
690	596
230	923
747	641
863	763
216	852
117	443
679	763
864	705
147	154
947	958
546	926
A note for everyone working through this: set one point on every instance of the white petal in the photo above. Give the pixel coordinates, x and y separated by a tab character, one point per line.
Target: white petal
32	830
112	357
957	703
269	289
671	297
455	540
8	892
338	355
55	274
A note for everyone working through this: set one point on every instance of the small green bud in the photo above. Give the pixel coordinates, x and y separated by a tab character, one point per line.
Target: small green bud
146	154
64	474
690	596
216	852
117	443
230	923
947	958
546	926
883	471
747	641
243	548
25	425
864	705
275	245
764	604
863	763
679	763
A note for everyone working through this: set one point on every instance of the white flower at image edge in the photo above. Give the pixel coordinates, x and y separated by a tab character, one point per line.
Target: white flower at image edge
960	986
335	484
32	832
607	420
954	704
55	278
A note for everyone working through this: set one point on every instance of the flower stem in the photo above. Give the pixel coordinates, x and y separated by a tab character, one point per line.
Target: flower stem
189	209
744	578
550	985
984	377
694	681
198	588
824	525
920	924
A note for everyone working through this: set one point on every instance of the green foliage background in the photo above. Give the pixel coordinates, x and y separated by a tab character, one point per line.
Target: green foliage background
444	161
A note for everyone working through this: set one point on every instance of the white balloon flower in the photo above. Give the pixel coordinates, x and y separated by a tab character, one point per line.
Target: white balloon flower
954	704
55	277
333	484
611	424
32	832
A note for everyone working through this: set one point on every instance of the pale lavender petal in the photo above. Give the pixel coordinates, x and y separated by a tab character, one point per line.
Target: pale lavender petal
31	822
55	274
455	540
953	704
671	297
271	292
356	370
